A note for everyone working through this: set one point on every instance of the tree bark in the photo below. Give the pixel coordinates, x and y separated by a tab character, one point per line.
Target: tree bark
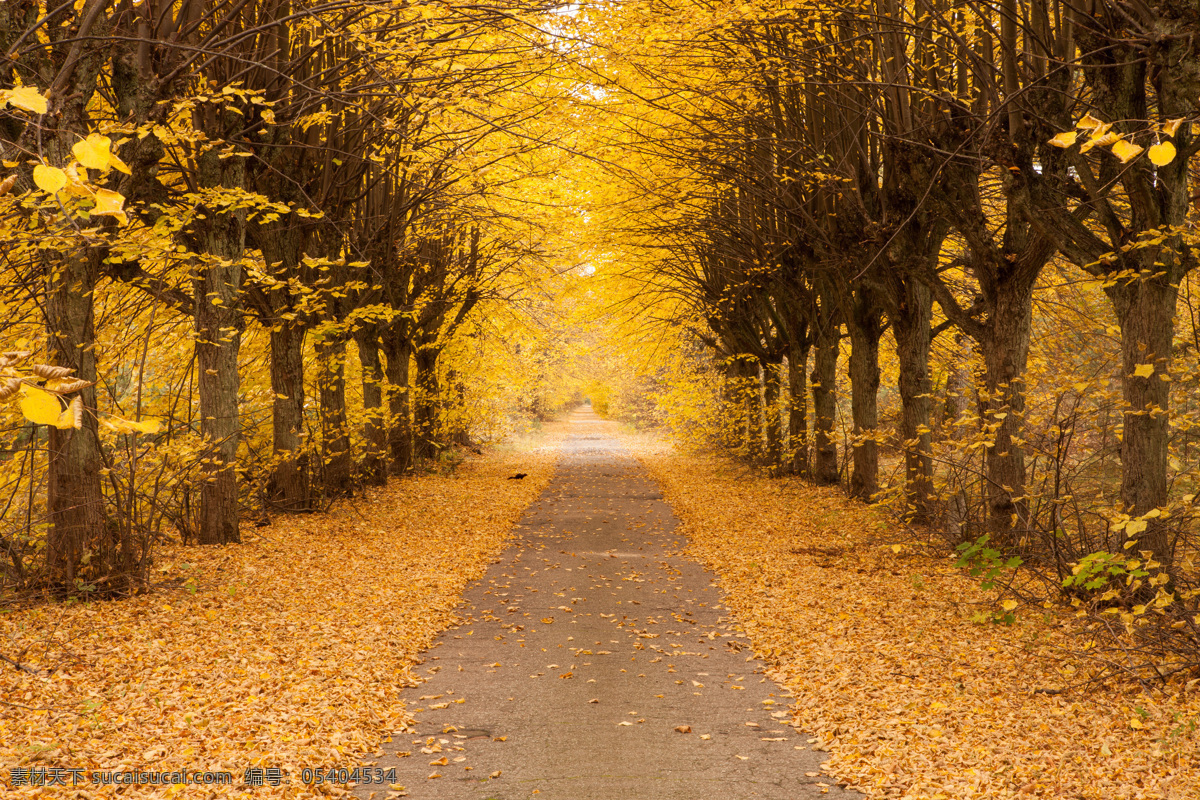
824	391
774	431
222	239
74	497
911	327
374	464
1005	350
398	352
288	486
865	324
798	409
1146	311
426	409
335	431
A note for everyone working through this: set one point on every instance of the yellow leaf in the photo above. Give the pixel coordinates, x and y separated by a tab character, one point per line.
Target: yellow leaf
110	203
1171	127
1088	123
1065	139
1103	140
1009	605
1135	723
28	98
72	417
39	406
49	179
1135	526
1126	150
1143	370
92	152
129	426
118	164
1161	154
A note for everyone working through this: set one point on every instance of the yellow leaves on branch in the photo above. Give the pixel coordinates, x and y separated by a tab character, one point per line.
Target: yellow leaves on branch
95	152
45	408
42	406
1101	135
122	425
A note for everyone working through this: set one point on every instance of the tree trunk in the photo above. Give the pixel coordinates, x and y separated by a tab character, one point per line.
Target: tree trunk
751	393
1146	311
958	383
288	487
824	391
911	327
426	411
335	430
866	326
374	464
74	498
1005	350
459	433
398	351
222	239
771	386
798	409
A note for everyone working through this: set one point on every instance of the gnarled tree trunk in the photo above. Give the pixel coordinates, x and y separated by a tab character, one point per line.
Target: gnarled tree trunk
288	486
398	352
911	327
824	391
74	498
865	324
374	463
798	409
1005	350
335	432
221	238
426	409
1146	310
774	428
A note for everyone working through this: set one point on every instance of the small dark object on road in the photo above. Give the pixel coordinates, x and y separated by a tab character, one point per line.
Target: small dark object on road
518	476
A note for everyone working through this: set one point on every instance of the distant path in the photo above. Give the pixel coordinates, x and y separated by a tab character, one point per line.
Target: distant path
584	649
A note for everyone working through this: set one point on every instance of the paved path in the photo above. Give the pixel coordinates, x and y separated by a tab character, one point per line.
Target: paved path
584	649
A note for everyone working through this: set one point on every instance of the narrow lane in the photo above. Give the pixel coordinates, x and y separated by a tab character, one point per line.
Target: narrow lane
595	662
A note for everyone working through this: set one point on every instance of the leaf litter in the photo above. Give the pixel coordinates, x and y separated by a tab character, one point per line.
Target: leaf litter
909	696
289	650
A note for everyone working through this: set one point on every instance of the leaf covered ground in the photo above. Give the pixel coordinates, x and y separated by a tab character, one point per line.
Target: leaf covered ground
910	698
286	651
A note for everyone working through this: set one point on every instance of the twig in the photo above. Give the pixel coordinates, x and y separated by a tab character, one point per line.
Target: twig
20	666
